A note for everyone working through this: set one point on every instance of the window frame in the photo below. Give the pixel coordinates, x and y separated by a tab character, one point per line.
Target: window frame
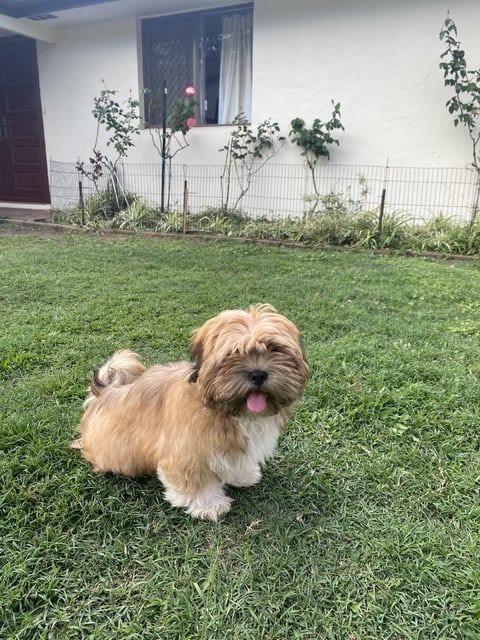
198	20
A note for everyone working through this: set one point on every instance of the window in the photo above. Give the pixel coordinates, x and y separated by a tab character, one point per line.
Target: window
211	50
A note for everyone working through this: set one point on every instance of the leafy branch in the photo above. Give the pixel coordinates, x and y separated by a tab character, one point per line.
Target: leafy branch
315	141
464	105
122	122
179	122
247	152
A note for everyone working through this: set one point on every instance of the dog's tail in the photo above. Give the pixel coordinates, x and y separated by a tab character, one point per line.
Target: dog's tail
124	367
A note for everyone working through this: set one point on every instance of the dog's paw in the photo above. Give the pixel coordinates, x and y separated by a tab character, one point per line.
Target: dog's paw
208	504
210	511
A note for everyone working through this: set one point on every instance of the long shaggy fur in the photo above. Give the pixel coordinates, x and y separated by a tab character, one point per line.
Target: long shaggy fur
198	425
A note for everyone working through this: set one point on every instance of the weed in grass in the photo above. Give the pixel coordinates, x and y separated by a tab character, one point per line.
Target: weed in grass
366	524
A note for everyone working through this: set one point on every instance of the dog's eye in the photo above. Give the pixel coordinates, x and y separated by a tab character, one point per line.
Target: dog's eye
275	348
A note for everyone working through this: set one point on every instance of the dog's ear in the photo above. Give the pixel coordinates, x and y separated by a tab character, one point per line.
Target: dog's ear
196	348
200	341
204	339
195	371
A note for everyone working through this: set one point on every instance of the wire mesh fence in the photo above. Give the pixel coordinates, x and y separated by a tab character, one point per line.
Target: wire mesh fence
287	191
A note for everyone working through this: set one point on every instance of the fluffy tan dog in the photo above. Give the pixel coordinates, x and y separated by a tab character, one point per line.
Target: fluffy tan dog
198	425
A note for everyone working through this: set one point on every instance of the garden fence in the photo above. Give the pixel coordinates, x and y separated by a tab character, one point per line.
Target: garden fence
281	191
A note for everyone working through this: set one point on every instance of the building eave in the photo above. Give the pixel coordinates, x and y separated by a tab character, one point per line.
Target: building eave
28	28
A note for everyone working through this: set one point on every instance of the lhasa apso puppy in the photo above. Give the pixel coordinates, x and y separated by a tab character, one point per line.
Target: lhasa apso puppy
198	425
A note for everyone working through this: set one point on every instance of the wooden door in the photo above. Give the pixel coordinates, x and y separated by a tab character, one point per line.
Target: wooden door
23	164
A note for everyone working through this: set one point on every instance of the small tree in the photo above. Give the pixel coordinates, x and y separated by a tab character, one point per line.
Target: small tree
464	105
170	139
178	124
122	122
246	153
315	141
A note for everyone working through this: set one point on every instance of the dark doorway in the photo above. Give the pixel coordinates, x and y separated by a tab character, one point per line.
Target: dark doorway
23	164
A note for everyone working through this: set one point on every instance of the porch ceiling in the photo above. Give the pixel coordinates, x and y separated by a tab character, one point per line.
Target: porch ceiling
60	13
35	8
44	19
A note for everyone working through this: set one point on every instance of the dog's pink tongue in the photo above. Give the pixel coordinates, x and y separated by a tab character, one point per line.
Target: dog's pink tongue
257	402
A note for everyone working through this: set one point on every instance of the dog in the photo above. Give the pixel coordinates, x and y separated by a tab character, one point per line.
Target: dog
203	424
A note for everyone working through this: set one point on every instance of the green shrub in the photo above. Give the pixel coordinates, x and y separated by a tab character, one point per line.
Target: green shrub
137	215
332	225
106	204
446	236
169	222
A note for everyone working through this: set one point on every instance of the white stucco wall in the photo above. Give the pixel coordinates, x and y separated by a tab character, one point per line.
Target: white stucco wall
71	74
379	58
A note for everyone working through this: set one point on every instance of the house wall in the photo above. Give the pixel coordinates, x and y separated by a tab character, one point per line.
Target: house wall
378	58
75	70
71	74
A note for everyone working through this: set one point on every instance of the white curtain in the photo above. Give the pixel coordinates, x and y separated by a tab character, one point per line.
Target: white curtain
235	93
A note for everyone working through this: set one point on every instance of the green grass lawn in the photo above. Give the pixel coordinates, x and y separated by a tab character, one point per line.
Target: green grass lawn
366	525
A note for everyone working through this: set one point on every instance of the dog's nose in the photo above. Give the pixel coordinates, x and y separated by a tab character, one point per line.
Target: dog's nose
258	377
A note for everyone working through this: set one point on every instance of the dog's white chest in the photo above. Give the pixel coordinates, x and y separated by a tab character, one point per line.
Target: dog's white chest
243	468
262	434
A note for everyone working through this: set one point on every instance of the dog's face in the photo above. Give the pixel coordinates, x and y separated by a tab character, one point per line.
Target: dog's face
249	362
